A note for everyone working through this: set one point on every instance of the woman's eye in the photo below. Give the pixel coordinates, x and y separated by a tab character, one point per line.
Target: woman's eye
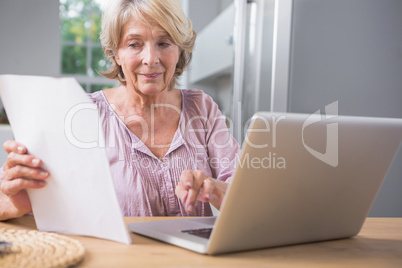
134	45
164	44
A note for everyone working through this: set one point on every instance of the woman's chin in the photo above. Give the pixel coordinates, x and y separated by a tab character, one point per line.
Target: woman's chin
152	90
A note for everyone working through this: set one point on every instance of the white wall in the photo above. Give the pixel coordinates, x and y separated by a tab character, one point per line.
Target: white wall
29	43
201	13
30	37
351	52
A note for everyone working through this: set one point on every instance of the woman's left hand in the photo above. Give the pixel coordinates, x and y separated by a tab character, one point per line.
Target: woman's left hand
195	185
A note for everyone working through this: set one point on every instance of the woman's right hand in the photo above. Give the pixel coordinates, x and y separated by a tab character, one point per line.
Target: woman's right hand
21	171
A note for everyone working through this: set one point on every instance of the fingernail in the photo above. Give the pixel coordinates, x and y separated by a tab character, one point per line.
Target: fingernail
35	161
207	196
190	208
20	148
188	183
43	173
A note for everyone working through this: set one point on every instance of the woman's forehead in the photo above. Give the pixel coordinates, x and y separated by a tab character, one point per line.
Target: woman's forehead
134	25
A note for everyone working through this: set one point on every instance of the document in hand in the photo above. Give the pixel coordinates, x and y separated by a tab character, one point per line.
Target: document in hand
57	121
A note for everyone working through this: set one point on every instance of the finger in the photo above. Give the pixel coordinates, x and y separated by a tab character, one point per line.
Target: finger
186	185
13	146
181	193
207	188
11	188
198	178
187	179
15	159
24	172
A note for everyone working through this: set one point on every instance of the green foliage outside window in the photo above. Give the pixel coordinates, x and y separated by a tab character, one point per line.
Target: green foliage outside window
99	62
80	20
99	87
80	29
74	59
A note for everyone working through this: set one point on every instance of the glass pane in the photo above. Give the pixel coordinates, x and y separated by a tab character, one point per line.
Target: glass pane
99	61
74	20
73	60
100	87
84	86
96	26
80	20
3	117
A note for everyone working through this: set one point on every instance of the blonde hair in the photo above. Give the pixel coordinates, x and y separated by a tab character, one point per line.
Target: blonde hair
167	13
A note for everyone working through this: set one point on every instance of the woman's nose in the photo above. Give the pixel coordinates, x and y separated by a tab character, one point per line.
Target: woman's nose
151	56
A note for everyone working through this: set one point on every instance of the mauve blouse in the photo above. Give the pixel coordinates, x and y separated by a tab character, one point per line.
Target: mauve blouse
145	184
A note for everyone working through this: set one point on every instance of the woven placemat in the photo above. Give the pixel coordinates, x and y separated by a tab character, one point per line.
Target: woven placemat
32	248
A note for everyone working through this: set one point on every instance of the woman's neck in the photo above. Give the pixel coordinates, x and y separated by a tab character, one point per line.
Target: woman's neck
127	102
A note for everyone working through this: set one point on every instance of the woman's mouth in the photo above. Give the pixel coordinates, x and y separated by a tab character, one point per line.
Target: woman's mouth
151	76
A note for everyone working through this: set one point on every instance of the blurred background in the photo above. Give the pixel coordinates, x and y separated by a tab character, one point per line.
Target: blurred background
256	55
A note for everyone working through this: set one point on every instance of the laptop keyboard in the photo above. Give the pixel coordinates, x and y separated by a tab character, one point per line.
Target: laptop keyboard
203	232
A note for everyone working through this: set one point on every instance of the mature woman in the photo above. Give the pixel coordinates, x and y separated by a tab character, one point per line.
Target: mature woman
170	151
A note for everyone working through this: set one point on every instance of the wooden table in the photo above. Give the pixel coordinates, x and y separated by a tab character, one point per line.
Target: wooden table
379	244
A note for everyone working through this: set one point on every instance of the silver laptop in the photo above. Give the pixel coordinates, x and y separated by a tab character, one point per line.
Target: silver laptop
300	178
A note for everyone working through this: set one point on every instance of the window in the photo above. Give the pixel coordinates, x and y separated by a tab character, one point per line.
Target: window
81	52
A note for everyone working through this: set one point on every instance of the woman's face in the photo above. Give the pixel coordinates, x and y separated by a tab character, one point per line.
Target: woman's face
147	56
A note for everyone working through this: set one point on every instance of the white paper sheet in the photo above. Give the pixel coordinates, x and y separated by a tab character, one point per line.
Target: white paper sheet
57	121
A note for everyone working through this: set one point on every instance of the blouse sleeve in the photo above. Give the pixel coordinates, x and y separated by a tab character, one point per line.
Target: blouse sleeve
222	149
